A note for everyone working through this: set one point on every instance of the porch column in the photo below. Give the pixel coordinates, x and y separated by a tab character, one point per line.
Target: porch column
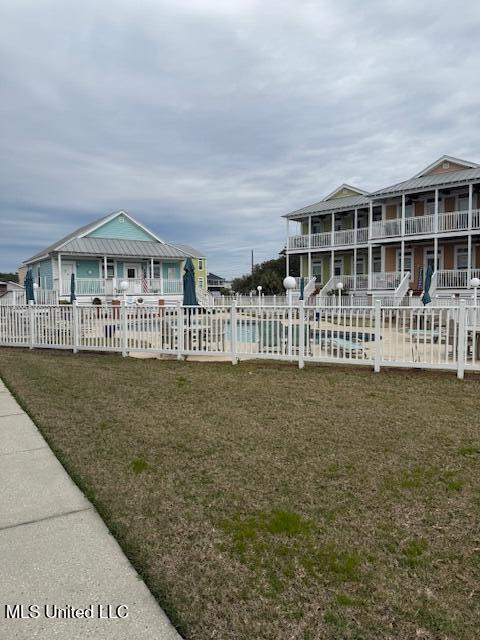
161	277
309	246
105	274
403	215
151	269
287	257
333	229
470	213
60	292
370	266
402	259
354	271
355	240
332	264
370	248
435	240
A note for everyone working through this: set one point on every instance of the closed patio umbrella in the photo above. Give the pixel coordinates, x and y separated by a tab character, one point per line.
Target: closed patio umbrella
73	297
426	288
189	295
302	287
29	293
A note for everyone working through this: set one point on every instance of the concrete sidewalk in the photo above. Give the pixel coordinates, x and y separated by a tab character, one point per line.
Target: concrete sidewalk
56	550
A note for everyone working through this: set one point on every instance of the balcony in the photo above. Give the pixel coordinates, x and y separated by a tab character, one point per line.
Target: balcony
425	225
342	238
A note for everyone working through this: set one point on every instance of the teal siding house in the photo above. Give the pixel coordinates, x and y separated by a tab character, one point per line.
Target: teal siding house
110	251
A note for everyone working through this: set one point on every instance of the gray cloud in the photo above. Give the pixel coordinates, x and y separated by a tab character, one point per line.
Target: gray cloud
210	119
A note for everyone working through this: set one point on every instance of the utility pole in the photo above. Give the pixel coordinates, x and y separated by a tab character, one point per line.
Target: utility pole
252	262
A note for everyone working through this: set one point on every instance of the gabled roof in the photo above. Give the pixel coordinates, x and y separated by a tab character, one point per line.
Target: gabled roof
455	164
452	178
332	202
86	229
345	190
190	251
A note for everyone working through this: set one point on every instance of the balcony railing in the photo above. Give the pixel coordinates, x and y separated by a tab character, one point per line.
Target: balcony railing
451	221
455	278
344	237
386	279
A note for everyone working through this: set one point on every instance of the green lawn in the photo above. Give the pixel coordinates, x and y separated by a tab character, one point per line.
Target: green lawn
264	502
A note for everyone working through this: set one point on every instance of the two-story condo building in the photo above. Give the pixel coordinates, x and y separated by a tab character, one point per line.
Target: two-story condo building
382	242
111	250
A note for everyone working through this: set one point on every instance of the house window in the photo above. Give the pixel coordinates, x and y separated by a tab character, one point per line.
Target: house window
131	272
463	203
338	224
200	283
407	260
360	265
200	264
409	210
377	263
430	207
461	258
317	270
338	267
110	268
156	269
317	227
172	273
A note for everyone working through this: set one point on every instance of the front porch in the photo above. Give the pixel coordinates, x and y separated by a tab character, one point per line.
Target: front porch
103	277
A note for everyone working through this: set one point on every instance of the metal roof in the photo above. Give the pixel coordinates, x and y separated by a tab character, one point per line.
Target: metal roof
68	237
194	253
434	180
124	248
335	204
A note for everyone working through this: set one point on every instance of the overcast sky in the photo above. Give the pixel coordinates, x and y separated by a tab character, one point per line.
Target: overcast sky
209	119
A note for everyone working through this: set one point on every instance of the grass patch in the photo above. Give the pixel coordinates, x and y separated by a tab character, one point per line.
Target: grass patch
255	507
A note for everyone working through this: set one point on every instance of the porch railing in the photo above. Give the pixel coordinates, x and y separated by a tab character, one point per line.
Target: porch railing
455	278
318	240
111	286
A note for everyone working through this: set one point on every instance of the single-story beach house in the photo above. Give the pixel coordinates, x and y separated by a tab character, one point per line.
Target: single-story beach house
114	249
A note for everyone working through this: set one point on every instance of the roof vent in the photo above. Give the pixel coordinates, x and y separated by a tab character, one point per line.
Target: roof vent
121	219
445	164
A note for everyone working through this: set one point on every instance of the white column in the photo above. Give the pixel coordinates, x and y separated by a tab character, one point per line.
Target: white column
402	259
435	240
370	265
161	277
309	246
60	292
354	271
370	222
470	210
105	274
333	229
287	257
355	230
403	215
332	264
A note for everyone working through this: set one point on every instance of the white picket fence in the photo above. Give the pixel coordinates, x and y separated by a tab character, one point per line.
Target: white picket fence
445	337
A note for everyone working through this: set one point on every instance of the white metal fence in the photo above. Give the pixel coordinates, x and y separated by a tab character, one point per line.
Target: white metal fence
442	337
